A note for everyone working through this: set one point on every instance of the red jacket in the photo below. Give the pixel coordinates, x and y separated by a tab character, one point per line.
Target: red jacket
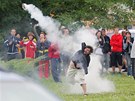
116	43
53	51
29	51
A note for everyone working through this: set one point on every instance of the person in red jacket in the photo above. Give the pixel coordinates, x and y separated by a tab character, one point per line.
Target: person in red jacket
54	55
116	49
30	46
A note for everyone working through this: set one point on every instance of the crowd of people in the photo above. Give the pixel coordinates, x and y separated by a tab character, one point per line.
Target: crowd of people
31	47
115	51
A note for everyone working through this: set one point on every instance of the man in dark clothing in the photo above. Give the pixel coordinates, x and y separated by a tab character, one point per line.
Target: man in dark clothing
12	44
42	49
106	50
87	56
132	55
79	65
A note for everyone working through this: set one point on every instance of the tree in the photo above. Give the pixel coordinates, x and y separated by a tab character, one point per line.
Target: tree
103	13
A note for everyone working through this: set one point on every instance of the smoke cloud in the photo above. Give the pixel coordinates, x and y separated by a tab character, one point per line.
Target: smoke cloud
49	25
95	83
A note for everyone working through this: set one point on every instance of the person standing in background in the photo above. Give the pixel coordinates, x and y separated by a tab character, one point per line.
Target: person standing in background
20	49
66	49
54	55
116	43
127	46
30	46
132	55
106	50
123	52
42	50
12	44
98	51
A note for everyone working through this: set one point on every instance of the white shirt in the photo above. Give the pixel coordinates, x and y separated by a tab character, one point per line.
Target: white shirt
133	50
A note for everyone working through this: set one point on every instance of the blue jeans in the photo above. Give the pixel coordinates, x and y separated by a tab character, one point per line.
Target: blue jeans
129	68
106	61
56	69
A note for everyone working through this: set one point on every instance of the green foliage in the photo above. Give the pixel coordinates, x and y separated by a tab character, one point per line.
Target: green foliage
66	11
72	11
22	66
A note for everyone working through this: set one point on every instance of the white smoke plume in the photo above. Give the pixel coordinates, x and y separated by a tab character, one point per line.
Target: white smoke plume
95	83
49	25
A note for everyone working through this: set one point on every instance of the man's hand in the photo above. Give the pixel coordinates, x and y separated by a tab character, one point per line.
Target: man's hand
10	42
78	66
128	41
86	72
17	45
42	40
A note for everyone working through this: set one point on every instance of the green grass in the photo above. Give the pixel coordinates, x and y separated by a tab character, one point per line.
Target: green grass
125	90
125	86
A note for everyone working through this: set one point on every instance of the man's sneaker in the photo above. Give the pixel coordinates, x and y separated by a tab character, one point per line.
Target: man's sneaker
85	94
125	70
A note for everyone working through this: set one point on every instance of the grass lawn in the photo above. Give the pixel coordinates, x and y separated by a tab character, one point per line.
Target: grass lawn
125	90
125	86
